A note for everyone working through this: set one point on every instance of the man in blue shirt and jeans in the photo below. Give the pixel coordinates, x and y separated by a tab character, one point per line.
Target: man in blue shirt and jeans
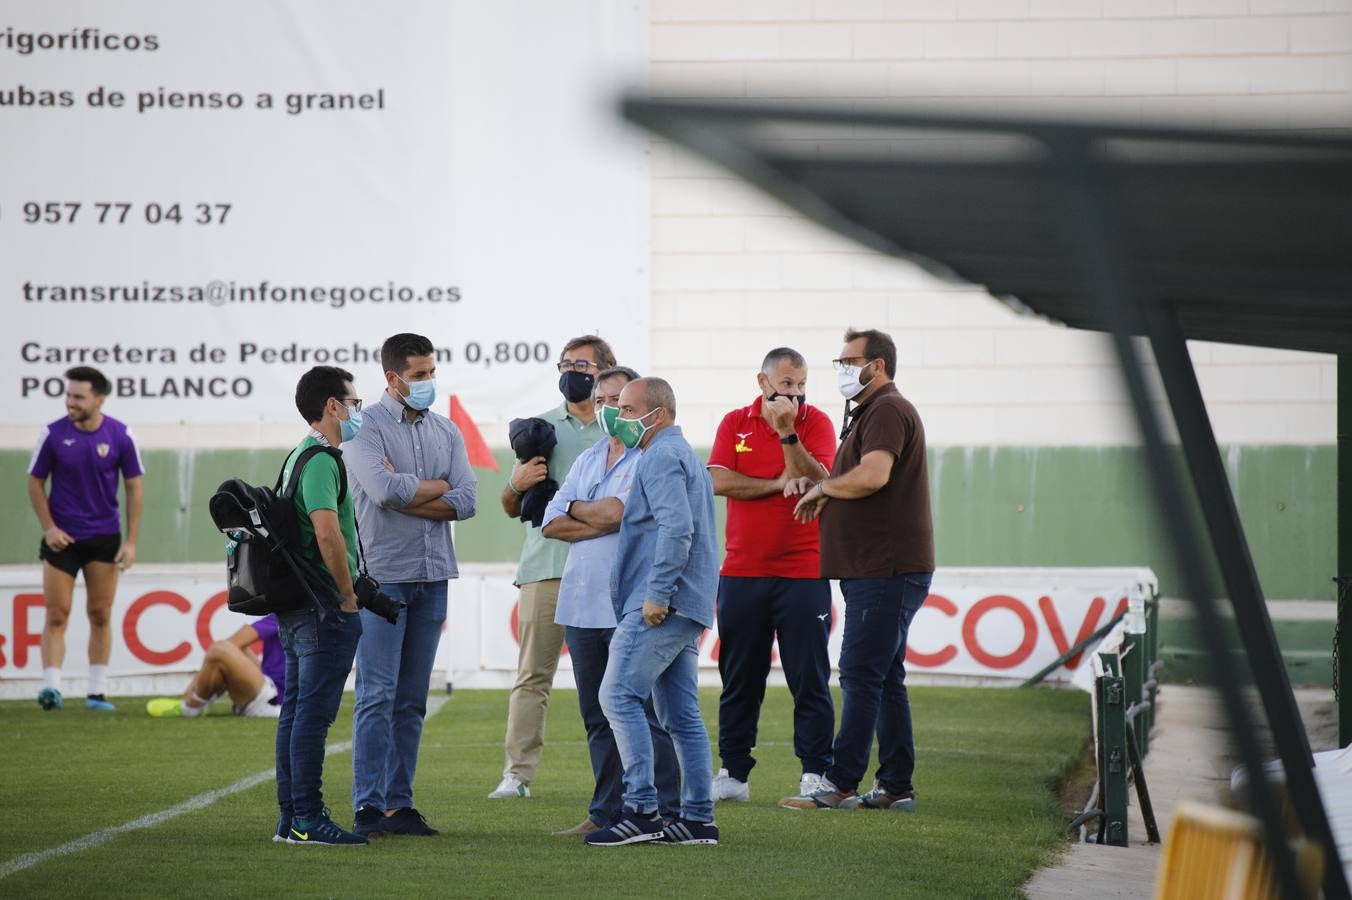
663	586
411	479
586	513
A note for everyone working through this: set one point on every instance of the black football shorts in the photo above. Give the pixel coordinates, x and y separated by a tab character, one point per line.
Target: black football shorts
80	553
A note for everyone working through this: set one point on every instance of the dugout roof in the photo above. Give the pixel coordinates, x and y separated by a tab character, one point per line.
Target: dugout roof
1247	236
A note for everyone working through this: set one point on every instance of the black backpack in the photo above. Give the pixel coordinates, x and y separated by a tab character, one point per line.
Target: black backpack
266	571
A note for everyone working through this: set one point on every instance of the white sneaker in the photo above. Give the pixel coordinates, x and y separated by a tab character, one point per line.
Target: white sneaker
810	783
728	788
509	788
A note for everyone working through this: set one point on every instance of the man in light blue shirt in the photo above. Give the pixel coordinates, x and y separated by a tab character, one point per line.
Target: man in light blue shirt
663	587
411	478
586	513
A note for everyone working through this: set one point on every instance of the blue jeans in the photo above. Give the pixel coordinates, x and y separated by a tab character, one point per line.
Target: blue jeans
318	660
590	651
878	614
663	662
394	671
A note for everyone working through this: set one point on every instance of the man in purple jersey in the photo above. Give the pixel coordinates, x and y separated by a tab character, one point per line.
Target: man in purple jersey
255	684
81	529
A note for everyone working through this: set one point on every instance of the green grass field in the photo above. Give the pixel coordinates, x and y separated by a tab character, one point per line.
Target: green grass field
990	765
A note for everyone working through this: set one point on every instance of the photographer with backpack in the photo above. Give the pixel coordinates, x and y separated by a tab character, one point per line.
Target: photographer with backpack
319	643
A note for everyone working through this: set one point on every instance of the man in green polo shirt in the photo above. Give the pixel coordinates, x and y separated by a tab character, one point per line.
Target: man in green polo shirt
319	643
318	489
542	559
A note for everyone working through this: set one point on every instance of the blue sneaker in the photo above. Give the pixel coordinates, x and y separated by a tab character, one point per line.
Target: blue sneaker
632	827
683	831
322	830
100	703
283	833
49	699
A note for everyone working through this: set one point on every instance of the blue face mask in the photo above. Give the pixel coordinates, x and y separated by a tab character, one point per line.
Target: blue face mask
349	427
421	394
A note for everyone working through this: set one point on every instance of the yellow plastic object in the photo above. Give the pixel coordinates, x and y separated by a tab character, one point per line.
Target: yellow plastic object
1212	852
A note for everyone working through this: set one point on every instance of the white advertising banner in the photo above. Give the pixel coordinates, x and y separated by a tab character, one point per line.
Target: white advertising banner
164	619
204	200
985	624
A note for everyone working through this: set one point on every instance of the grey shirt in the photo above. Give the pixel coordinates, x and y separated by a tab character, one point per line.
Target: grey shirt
400	547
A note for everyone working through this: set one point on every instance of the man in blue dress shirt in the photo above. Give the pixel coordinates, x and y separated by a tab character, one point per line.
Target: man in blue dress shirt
586	513
663	587
410	478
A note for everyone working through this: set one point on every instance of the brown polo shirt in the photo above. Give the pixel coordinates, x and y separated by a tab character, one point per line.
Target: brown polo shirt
890	532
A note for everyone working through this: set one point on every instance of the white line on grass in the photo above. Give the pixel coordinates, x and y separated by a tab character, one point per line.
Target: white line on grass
192	804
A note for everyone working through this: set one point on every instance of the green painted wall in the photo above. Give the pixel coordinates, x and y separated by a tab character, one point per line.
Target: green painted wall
1092	506
1306	647
1013	506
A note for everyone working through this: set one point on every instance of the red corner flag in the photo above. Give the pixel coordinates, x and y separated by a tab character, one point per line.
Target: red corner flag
479	455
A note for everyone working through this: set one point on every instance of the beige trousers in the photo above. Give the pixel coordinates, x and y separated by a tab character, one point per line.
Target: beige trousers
540	642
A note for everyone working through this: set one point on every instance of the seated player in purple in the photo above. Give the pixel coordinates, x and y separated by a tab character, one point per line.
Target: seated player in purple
255	684
83	454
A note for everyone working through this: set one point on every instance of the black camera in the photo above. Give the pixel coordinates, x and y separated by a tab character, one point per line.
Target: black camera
370	596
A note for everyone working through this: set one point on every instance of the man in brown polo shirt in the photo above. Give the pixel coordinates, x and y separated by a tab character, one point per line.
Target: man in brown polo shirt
877	537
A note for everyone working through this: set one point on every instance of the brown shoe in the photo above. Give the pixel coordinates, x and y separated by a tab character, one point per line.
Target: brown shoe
826	798
586	826
879	798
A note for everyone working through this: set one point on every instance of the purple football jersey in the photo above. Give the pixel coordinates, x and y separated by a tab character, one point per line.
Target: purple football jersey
83	466
274	657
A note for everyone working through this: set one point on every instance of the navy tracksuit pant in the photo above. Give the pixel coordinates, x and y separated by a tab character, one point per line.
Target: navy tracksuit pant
752	613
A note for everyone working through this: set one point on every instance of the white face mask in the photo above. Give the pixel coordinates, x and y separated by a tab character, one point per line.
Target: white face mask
847	379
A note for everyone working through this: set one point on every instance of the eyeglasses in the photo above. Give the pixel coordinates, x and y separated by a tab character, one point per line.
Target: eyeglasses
350	402
844	361
576	365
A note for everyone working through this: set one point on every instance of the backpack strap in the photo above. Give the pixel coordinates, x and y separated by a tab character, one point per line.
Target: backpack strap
305	456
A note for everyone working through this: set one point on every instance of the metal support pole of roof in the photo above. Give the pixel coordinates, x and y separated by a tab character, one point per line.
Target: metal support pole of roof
1090	231
1242	585
1343	650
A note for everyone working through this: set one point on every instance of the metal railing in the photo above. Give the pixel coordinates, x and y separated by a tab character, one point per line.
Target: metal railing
1125	703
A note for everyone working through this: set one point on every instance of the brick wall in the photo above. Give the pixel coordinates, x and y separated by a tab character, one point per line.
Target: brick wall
735	273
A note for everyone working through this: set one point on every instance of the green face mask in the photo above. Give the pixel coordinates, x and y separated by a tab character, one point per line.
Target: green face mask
631	431
607	419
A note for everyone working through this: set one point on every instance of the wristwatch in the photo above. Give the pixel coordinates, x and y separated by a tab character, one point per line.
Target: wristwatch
789	438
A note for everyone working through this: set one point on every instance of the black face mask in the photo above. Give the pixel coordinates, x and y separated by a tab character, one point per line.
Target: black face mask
576	386
801	398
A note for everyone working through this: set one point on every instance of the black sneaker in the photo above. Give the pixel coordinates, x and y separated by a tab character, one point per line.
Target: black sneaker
632	827
408	821
283	833
683	831
369	823
322	830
